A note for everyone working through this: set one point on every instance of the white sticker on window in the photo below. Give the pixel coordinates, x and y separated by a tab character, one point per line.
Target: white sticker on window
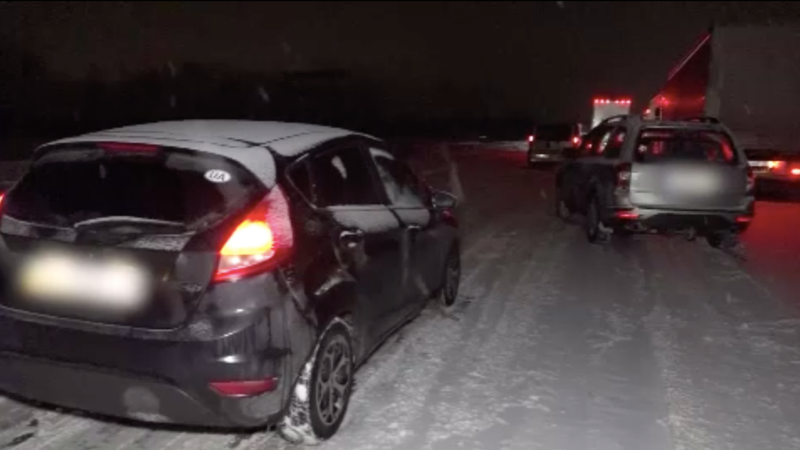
218	176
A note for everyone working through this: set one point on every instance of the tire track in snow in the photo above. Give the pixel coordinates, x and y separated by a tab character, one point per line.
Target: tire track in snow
722	391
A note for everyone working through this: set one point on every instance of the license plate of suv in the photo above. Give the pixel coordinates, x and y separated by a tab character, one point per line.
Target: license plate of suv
692	182
64	279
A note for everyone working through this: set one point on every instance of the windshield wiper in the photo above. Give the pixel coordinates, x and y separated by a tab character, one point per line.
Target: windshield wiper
127	220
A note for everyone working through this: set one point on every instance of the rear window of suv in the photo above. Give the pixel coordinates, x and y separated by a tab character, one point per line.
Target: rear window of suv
554	132
72	185
674	144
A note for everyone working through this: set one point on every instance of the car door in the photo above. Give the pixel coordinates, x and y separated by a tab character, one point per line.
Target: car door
410	200
591	164
366	234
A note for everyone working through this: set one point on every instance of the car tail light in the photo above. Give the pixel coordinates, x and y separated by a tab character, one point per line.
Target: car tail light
623	176
246	388
530	138
2	197
626	215
576	141
262	240
127	147
795	171
751	180
744	219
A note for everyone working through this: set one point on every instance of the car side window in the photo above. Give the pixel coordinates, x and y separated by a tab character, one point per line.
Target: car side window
300	176
402	187
589	145
613	149
342	177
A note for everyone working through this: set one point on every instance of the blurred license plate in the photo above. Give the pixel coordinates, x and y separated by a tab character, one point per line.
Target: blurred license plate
63	279
692	182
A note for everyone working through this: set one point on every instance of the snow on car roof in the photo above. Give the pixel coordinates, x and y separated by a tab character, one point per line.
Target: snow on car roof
241	140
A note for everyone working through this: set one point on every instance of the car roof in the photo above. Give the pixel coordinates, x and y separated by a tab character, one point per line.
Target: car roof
241	140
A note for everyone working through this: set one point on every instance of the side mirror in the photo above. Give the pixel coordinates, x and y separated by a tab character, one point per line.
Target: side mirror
444	200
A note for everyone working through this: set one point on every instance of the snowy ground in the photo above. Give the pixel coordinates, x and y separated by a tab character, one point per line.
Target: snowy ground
555	344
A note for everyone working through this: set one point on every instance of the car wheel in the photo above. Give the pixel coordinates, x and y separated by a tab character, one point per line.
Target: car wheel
562	210
322	392
595	231
719	239
452	279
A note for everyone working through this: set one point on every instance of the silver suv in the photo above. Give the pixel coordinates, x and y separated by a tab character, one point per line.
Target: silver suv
631	175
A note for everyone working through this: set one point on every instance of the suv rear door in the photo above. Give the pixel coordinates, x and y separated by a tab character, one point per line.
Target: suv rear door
687	168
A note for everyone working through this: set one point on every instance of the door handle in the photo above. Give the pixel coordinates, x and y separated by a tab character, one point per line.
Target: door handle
351	238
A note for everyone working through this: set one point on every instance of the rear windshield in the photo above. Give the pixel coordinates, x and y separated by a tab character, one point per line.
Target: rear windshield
663	144
182	189
554	132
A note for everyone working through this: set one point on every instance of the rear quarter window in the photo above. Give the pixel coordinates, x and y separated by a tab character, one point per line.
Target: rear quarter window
665	144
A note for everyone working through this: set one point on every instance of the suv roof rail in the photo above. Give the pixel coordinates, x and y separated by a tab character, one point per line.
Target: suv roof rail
703	119
613	119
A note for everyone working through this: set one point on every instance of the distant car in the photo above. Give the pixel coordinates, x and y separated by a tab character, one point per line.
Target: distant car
547	143
777	173
215	273
630	175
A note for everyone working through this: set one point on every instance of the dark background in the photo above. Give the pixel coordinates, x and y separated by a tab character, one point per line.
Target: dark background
392	68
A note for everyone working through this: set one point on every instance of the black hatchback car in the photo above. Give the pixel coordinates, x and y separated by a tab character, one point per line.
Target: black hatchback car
214	273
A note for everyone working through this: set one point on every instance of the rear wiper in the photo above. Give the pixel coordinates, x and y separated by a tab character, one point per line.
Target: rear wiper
129	220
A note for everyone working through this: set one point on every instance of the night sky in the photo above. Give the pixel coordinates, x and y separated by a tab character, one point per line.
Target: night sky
521	58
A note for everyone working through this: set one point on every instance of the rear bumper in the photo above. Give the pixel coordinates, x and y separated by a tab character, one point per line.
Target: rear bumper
162	376
645	219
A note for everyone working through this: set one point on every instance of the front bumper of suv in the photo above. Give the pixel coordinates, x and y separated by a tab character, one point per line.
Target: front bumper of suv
160	376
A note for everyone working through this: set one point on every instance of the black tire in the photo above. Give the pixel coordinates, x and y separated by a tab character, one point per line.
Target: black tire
593	225
720	239
562	211
321	394
451	278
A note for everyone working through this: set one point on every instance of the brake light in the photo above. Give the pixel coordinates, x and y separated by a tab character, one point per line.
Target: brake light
261	241
627	215
795	171
576	140
246	388
623	176
530	138
774	164
2	196
127	147
751	180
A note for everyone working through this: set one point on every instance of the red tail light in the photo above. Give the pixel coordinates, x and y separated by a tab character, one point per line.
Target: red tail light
262	240
744	219
751	180
627	215
2	196
127	147
795	171
623	176
530	138
247	388
576	141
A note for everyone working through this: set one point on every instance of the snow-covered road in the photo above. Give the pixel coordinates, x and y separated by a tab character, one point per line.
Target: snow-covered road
556	344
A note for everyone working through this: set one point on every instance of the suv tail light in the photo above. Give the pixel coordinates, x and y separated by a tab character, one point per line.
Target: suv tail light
262	240
751	180
623	176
